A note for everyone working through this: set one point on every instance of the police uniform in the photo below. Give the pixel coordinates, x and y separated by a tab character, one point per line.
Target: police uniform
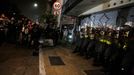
127	65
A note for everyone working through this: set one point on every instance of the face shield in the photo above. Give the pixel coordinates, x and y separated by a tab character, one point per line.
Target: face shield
129	24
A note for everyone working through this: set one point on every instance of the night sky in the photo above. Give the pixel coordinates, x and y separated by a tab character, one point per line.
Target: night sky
26	7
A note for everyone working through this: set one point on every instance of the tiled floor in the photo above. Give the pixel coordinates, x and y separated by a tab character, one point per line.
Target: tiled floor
74	64
17	61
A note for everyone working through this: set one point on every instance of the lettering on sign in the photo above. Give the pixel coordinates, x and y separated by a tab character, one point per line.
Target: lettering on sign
57	6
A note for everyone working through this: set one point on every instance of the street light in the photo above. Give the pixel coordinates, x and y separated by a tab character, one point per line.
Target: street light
35	5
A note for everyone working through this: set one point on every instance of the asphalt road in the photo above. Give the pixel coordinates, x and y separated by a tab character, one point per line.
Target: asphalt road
18	61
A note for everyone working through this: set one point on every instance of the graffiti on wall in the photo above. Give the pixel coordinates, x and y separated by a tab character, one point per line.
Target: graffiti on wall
130	17
101	19
113	19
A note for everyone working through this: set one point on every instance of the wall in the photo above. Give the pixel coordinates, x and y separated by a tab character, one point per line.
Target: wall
114	18
108	5
101	19
67	20
131	15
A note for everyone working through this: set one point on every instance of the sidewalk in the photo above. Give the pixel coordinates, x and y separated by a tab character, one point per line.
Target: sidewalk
74	64
18	61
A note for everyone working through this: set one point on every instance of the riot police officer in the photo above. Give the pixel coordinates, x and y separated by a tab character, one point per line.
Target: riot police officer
80	42
127	65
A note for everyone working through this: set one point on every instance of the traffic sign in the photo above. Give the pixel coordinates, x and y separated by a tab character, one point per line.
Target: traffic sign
57	6
56	13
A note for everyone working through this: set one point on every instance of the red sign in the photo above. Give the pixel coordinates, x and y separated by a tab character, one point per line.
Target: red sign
57	6
56	13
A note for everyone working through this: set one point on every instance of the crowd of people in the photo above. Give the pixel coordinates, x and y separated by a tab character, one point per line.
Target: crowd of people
52	32
20	31
113	49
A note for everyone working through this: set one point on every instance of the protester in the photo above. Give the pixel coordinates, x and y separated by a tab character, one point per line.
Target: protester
35	35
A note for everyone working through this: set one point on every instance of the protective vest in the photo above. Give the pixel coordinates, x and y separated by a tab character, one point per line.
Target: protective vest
105	41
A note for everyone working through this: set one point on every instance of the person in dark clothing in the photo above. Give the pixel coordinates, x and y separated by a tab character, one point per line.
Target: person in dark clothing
1	33
35	36
55	36
18	32
12	30
128	61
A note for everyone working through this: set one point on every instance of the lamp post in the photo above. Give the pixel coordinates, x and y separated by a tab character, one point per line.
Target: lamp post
35	5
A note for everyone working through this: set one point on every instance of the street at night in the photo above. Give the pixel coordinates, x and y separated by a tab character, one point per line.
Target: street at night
17	61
